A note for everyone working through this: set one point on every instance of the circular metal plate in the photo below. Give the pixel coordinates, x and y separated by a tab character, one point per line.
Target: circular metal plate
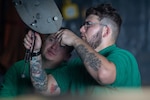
42	16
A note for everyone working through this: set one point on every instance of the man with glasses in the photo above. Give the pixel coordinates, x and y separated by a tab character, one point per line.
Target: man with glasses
101	64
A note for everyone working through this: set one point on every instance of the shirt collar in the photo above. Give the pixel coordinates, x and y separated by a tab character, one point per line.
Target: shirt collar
107	49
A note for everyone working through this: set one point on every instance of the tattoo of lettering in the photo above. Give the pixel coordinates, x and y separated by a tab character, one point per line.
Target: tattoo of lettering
88	57
38	75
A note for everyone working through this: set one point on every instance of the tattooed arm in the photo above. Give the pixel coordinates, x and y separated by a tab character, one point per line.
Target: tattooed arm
102	70
42	82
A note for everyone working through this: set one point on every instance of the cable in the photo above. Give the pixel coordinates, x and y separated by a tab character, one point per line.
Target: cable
28	55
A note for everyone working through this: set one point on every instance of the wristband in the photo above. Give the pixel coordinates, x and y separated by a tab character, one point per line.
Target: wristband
36	54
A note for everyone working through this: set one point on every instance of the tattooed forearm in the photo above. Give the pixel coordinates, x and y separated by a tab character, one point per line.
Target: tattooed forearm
53	88
38	75
88	57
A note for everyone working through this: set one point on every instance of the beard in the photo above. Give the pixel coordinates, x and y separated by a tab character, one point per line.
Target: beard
96	39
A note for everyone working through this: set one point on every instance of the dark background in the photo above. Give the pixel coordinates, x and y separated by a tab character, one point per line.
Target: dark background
135	31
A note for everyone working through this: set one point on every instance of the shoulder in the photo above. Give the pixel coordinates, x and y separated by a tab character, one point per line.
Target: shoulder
116	53
17	66
20	62
125	53
121	52
121	56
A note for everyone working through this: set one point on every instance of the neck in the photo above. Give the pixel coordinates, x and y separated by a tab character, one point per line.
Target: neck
48	64
103	45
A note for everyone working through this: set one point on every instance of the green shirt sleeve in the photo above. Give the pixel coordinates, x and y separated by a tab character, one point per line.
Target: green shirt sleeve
8	86
63	83
13	84
127	72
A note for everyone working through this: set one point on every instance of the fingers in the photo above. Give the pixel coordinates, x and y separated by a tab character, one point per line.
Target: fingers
28	40
58	36
59	33
26	44
38	37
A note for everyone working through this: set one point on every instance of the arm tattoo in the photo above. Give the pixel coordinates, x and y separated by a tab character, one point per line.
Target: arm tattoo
53	88
88	57
38	75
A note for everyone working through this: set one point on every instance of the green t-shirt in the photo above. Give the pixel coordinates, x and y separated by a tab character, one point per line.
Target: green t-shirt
76	79
14	85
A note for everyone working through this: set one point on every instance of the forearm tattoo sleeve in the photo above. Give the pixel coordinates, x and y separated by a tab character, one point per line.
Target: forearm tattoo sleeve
89	58
38	75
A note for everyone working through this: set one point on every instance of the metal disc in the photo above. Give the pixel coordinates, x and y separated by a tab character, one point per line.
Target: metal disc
42	16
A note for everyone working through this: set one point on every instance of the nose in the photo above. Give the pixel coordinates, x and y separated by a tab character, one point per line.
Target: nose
82	29
55	45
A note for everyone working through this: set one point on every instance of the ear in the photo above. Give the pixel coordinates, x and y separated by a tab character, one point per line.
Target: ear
106	31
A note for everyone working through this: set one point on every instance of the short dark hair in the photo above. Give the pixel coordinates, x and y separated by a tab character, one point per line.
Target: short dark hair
105	11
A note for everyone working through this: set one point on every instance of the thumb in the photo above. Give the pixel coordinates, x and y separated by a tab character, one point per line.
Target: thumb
37	36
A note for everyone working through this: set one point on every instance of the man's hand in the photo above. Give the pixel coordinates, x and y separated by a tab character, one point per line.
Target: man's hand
66	37
29	41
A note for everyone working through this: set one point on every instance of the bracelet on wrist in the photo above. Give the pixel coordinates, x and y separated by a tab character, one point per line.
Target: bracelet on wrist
36	53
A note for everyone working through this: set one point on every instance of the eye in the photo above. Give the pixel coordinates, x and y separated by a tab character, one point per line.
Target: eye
51	39
88	23
64	47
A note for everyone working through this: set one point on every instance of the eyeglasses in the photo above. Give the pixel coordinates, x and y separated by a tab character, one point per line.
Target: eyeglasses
89	24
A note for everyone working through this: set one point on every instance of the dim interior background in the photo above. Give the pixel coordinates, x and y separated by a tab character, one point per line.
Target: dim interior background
135	30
